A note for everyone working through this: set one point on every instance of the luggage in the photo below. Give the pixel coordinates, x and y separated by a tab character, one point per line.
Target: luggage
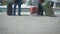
9	9
47	8
33	10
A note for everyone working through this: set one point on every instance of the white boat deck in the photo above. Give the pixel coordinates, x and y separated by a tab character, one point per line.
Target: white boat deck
29	24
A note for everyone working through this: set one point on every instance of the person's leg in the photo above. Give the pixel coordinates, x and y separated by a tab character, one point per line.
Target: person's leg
14	11
40	9
19	8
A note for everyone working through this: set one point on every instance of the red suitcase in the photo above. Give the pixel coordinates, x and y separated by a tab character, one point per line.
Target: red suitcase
33	10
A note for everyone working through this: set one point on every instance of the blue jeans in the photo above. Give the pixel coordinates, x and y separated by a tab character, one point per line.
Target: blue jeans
19	8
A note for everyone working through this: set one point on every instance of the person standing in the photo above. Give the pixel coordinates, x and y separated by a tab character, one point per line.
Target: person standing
17	2
40	8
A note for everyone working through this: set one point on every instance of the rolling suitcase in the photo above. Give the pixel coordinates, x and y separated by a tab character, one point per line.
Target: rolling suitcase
33	10
9	9
47	8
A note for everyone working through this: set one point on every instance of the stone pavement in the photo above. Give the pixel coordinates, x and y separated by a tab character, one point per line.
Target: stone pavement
29	24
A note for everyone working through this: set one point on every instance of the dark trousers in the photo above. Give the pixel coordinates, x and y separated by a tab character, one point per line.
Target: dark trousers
40	9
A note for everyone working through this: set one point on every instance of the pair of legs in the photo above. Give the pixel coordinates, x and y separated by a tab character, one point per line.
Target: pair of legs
40	9
19	8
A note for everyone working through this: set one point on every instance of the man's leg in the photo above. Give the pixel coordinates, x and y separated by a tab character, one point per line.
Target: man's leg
40	9
19	8
14	11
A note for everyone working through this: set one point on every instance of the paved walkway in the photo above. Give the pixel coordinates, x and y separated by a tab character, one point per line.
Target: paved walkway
29	24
